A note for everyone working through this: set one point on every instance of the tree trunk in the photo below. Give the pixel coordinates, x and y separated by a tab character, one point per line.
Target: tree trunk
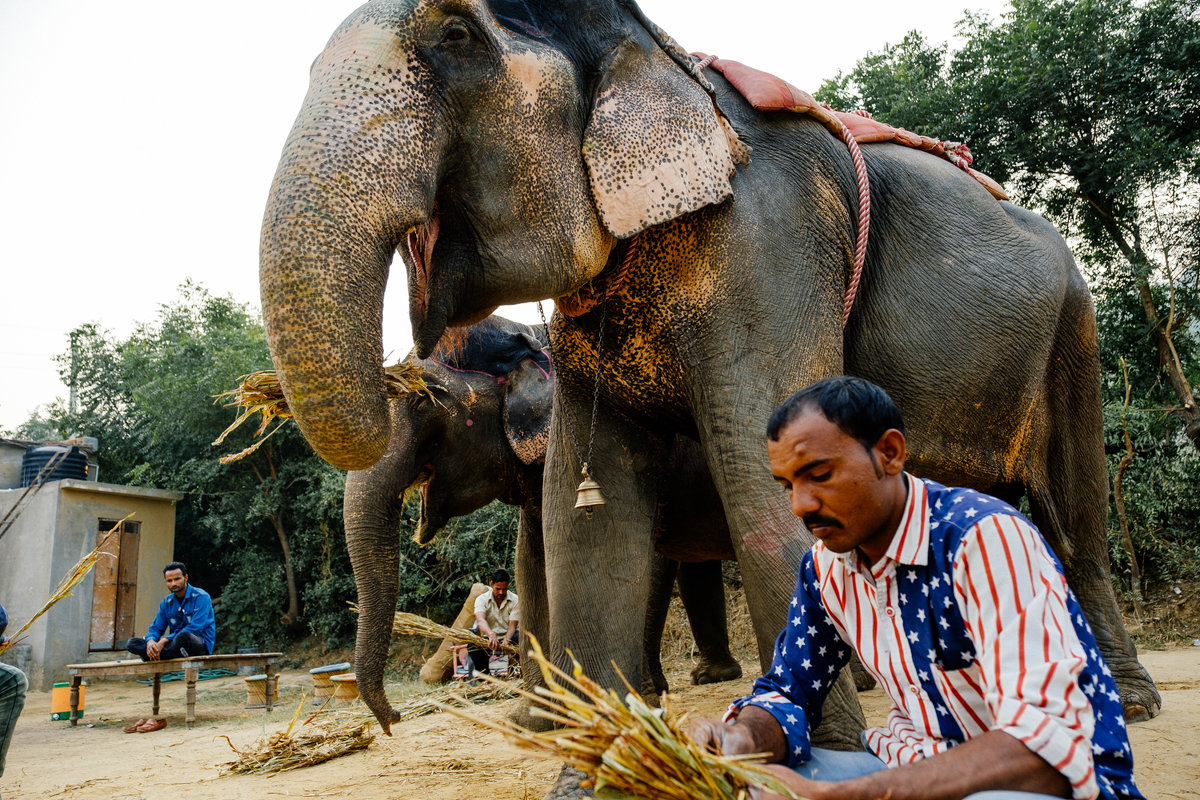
1168	359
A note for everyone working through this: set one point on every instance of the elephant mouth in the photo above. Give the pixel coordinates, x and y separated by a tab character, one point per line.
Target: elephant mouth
420	241
425	532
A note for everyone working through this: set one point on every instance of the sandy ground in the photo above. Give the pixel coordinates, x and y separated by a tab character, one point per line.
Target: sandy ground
435	757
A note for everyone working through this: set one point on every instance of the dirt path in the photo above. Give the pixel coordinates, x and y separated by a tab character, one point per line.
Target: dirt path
429	758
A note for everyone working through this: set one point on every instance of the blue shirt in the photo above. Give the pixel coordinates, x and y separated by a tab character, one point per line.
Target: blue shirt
969	626
194	614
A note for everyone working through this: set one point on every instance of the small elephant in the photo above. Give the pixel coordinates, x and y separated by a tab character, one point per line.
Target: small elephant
699	248
483	437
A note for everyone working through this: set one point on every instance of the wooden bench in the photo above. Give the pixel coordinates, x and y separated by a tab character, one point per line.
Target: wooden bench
190	666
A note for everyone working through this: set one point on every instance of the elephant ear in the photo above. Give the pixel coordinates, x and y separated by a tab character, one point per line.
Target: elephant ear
528	398
655	146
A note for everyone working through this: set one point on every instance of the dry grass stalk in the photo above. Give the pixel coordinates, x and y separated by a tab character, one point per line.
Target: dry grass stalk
331	734
260	393
73	579
629	749
413	625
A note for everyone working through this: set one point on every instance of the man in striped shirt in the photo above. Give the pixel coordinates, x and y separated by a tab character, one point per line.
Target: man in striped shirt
955	603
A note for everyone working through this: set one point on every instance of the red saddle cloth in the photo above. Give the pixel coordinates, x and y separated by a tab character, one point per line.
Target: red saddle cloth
766	92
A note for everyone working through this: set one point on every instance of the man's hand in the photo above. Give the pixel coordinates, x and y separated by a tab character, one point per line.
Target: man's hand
754	731
153	649
493	641
801	787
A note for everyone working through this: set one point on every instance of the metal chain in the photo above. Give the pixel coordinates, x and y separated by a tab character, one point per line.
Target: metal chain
595	392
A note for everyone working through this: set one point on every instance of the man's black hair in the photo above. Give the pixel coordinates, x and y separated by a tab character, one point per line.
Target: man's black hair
179	565
500	576
861	409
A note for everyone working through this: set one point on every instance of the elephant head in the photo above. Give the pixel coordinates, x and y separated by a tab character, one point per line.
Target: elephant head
502	152
482	436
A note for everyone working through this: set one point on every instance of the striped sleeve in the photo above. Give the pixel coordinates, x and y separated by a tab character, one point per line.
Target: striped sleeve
1014	602
809	655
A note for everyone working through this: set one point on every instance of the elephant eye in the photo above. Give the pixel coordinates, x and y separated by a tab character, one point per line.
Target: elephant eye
454	33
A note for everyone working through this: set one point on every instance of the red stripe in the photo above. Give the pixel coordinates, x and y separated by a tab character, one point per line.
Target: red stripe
1069	757
966	706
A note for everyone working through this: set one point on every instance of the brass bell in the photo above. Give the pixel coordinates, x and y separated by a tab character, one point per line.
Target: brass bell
587	495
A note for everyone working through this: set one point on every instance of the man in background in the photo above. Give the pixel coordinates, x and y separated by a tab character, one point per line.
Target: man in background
496	617
184	626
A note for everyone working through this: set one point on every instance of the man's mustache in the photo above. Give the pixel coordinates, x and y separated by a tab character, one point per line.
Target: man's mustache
813	520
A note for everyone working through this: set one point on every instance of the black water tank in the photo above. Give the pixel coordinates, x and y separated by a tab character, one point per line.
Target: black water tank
71	465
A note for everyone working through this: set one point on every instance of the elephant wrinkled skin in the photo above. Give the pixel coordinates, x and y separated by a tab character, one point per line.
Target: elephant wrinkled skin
482	436
522	149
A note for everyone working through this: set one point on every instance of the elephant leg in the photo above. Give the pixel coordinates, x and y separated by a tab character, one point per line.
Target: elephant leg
770	542
531	574
703	593
1070	509
662	581
598	569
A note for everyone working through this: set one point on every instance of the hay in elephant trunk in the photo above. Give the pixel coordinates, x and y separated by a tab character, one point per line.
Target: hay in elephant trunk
260	393
627	749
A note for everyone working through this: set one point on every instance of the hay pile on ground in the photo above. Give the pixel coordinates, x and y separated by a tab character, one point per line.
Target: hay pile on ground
629	749
321	737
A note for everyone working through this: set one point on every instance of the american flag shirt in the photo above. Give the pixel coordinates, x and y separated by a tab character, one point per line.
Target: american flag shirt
968	625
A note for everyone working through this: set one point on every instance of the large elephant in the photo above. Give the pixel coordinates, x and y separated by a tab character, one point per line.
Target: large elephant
481	436
522	149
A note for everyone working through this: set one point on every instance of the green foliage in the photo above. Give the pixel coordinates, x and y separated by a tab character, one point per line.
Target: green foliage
434	580
264	534
1087	110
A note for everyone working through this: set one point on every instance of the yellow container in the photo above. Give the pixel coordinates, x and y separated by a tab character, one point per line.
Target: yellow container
60	701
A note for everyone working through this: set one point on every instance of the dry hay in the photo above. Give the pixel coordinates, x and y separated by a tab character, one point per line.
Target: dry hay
628	749
321	737
260	393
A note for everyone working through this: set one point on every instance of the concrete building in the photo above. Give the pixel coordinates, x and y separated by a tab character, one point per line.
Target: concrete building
45	530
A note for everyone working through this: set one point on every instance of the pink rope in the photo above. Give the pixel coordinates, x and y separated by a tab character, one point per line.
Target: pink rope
864	218
864	203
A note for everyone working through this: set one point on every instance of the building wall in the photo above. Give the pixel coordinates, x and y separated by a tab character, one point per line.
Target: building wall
56	528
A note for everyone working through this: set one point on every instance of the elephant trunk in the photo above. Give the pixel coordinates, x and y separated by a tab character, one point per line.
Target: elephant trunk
334	218
374	549
322	303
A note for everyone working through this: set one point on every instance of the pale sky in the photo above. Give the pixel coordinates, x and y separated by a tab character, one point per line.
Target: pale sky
138	141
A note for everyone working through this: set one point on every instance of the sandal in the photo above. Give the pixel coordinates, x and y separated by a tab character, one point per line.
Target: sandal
152	725
133	728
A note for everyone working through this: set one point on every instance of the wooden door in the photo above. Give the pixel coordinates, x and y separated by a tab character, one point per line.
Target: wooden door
114	592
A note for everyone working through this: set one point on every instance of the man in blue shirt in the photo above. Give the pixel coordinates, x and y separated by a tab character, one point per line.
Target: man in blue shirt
184	626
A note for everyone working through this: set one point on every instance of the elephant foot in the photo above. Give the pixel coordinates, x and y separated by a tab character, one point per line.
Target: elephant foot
716	671
654	683
571	783
1140	699
523	715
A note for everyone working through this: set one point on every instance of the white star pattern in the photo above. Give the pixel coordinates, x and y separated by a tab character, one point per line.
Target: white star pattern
944	553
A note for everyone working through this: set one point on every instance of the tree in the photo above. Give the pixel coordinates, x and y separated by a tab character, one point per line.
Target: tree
259	531
1088	111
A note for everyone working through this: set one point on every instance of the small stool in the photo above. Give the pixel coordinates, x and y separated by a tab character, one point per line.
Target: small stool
256	691
322	686
345	687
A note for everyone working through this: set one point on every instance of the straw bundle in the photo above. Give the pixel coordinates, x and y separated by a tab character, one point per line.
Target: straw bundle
73	578
433	702
629	749
320	738
260	393
413	625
